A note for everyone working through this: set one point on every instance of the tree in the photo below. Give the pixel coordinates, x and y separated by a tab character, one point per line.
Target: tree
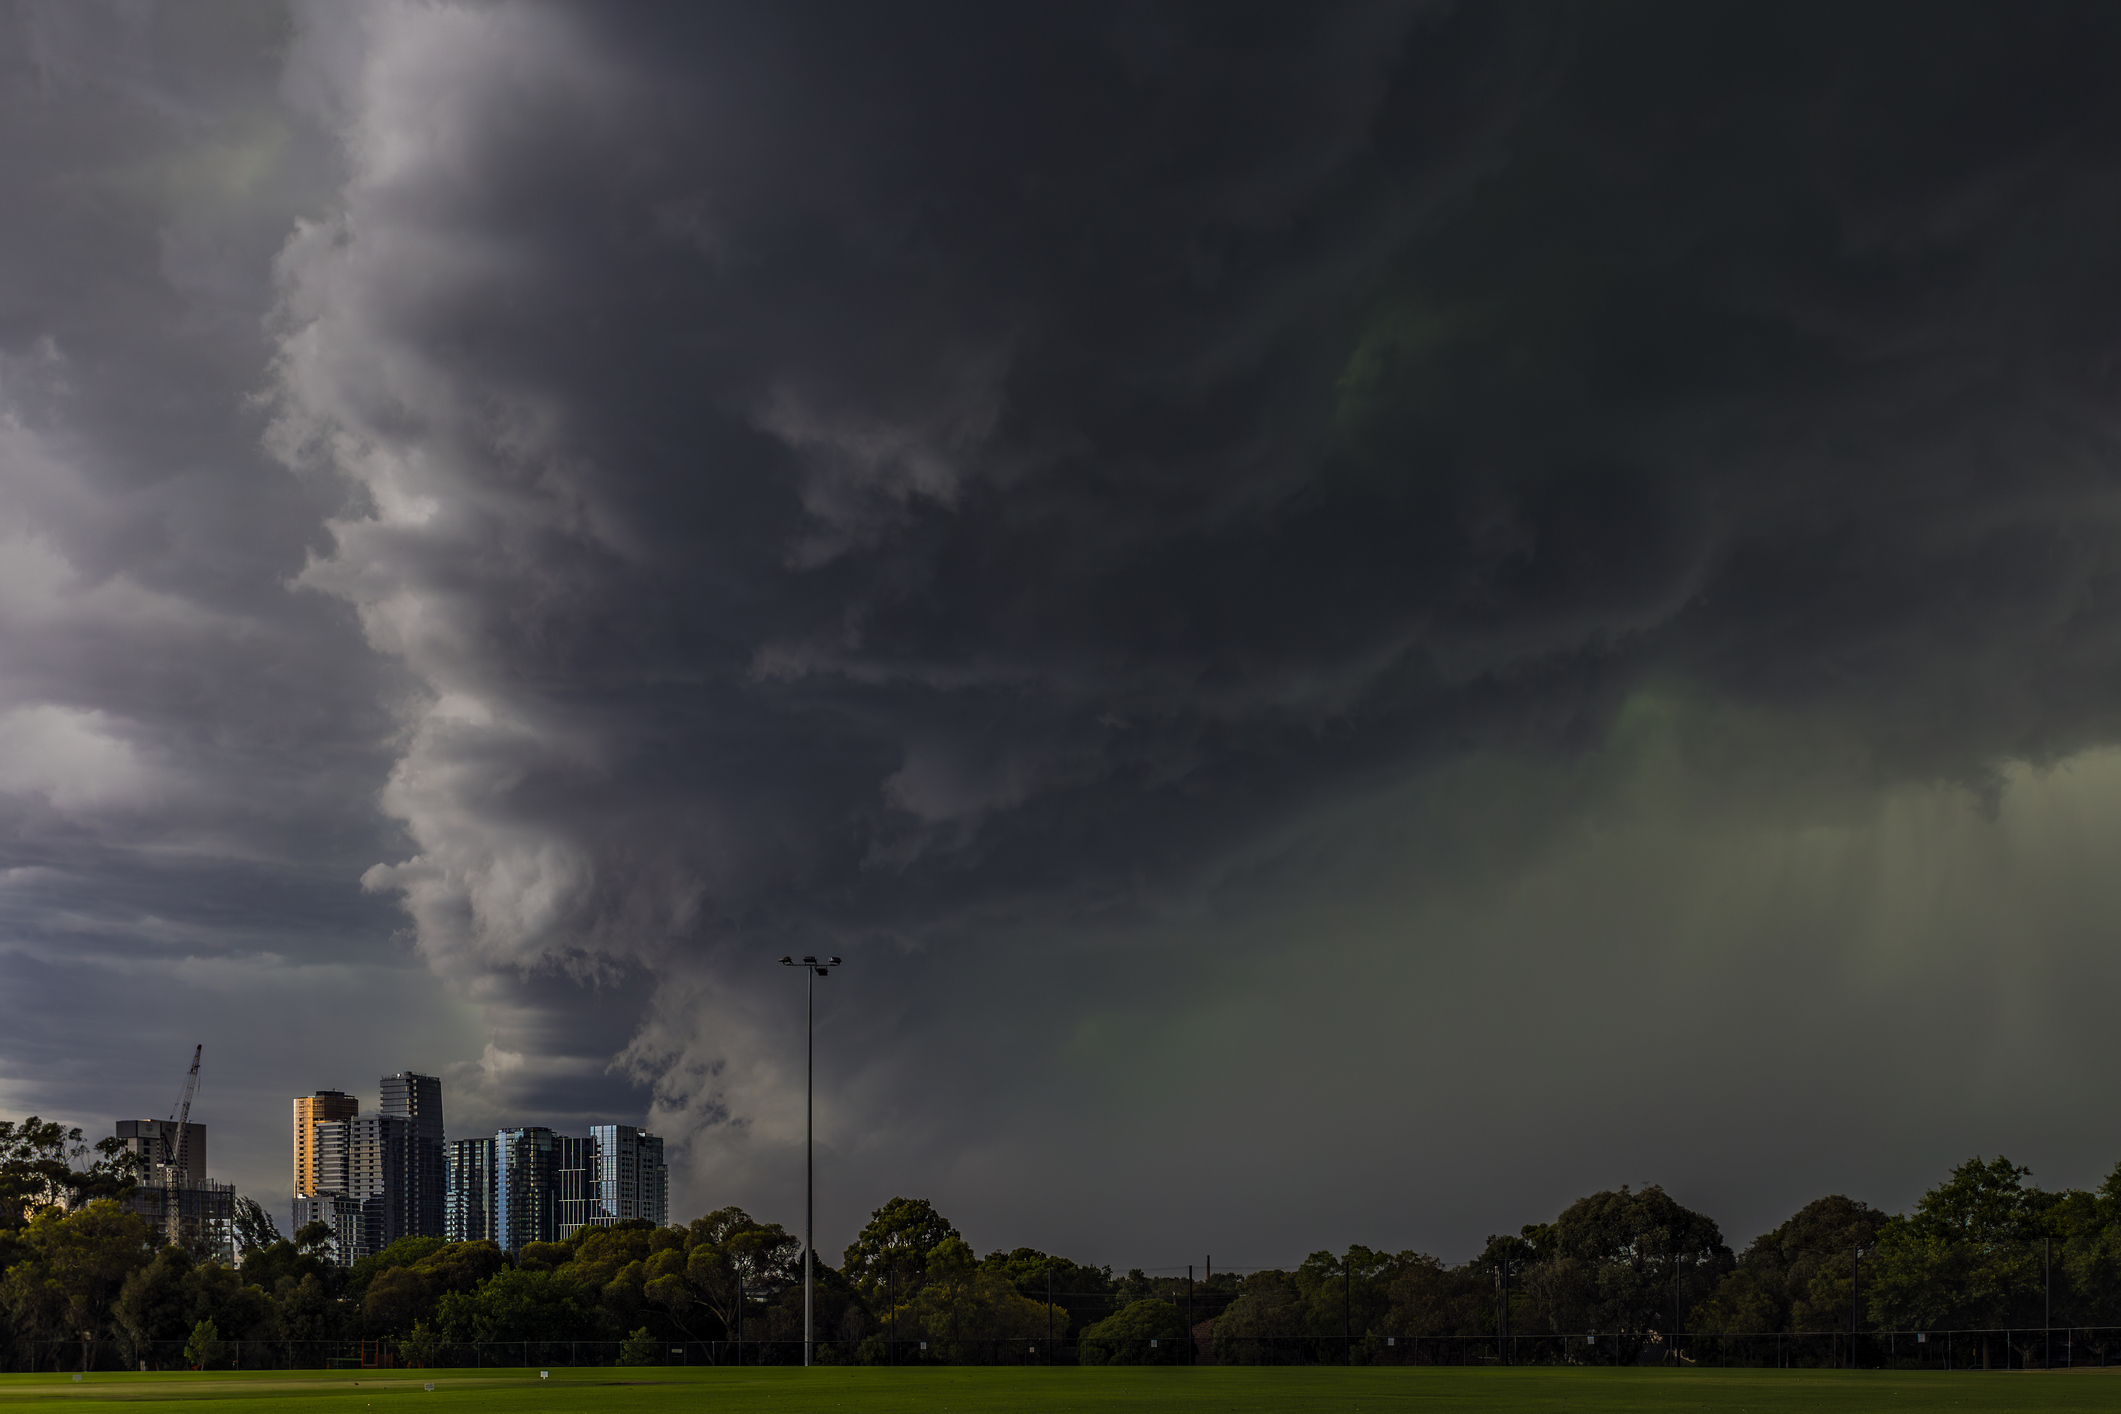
1075	1288
405	1252
728	1252
204	1349
286	1265
1268	1307
40	1169
2089	1256
1351	1291
617	1263
1968	1255
173	1293
414	1274
895	1244
1798	1277
1123	1338
1620	1262
72	1268
521	1305
641	1348
255	1231
1431	1299
306	1307
965	1300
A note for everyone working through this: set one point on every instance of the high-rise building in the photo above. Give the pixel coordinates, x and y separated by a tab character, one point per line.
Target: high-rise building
376	1172
418	1100
174	1192
364	1159
532	1185
524	1182
150	1139
309	1111
574	1165
328	1156
339	1213
468	1209
631	1179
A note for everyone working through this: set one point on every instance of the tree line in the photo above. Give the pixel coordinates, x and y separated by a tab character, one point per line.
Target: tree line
1983	1249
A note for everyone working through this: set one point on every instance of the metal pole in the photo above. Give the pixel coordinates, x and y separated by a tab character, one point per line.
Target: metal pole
809	1134
812	969
1347	1308
2047	1343
1855	1293
1049	1313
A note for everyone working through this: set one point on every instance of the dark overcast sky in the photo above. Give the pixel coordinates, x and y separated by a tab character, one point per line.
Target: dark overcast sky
1359	619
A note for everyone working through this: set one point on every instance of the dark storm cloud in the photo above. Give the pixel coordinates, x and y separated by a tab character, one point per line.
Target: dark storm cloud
188	752
1091	513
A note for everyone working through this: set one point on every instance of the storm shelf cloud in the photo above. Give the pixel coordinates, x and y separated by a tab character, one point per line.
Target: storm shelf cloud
1359	619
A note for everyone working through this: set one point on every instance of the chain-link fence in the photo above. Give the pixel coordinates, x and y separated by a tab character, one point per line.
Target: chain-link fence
1963	1350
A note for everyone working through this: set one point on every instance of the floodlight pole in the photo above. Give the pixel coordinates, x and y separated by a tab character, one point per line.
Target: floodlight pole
812	970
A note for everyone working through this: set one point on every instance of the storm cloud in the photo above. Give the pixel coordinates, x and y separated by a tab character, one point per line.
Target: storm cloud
1359	619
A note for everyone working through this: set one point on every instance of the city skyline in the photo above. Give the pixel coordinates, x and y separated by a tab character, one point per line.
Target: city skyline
376	1176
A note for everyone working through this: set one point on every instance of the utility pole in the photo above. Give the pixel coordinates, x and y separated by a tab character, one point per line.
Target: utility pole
813	969
1504	1324
1855	1298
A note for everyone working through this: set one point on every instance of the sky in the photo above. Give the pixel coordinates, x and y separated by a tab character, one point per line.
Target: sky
1358	619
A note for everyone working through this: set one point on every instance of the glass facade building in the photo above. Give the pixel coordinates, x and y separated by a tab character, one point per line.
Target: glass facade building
468	1212
631	1179
525	1179
417	1099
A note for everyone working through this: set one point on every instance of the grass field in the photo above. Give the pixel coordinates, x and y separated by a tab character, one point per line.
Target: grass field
968	1390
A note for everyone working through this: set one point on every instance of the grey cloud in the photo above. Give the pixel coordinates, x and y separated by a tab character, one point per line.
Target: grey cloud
1064	508
899	480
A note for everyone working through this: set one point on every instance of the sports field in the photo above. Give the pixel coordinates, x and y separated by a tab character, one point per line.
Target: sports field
967	1390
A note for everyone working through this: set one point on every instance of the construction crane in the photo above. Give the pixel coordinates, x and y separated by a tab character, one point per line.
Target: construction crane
174	1152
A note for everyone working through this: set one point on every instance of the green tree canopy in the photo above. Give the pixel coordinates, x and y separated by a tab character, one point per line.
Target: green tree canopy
71	1268
205	1348
41	1169
522	1305
255	1229
1969	1255
1620	1261
1799	1277
897	1240
1123	1338
402	1286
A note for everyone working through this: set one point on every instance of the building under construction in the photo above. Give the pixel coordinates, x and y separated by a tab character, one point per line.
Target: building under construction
174	1193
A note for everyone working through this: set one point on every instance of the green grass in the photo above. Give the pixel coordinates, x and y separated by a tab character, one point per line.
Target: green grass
965	1390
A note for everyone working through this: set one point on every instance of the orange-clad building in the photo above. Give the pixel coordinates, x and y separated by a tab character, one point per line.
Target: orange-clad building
310	1110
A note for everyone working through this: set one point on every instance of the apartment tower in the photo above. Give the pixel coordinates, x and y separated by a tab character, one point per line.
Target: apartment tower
631	1180
417	1099
469	1214
310	1110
